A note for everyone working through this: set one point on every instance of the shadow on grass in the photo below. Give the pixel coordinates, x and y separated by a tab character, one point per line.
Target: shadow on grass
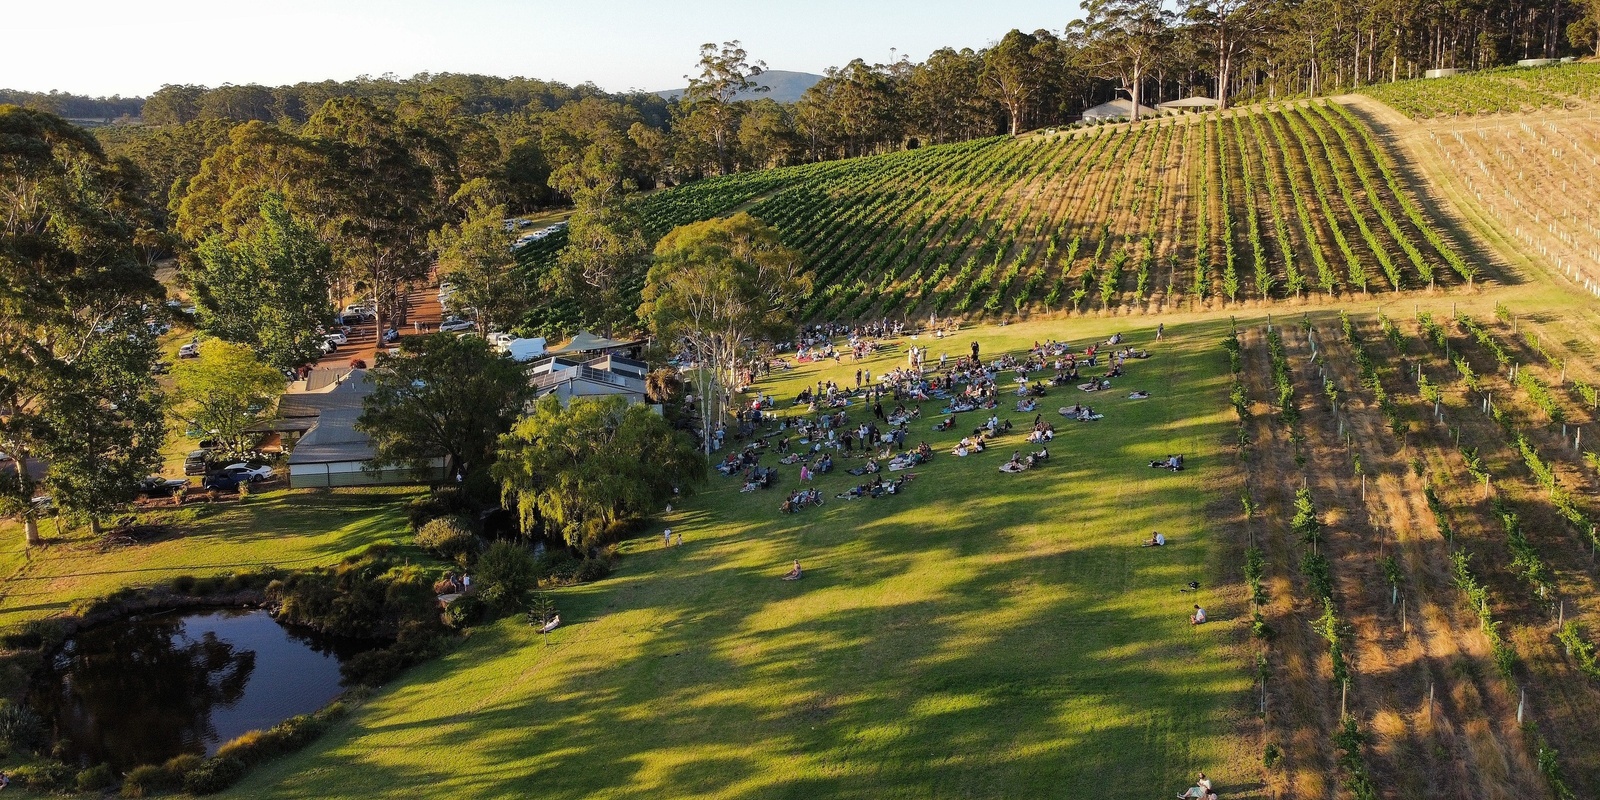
978	635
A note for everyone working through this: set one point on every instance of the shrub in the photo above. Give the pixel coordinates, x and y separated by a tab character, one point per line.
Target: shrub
377	667
95	778
464	611
593	569
20	728
213	775
507	573
183	584
45	776
181	765
447	537
442	502
363	597
35	634
146	780
286	737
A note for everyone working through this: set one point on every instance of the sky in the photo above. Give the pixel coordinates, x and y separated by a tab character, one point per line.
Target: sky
106	47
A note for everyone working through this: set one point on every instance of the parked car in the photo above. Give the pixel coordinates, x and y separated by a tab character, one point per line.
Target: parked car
358	312
249	472
195	463
190	350
337	337
220	482
157	486
327	346
456	325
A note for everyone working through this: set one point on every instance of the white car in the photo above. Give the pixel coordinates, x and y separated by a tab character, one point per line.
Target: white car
499	340
246	472
337	337
327	346
456	325
190	350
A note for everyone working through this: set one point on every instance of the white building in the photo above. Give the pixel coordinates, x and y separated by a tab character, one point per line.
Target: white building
332	452
1118	109
589	376
1188	105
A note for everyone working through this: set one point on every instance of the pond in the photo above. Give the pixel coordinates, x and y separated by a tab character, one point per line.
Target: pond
143	691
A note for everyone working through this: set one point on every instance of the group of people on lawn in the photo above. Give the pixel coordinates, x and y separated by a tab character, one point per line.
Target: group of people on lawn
966	383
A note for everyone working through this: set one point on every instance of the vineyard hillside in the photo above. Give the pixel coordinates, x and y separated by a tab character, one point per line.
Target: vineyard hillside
1297	201
1496	91
1528	181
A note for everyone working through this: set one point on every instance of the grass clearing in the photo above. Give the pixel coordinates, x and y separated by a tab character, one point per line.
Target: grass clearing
290	529
981	634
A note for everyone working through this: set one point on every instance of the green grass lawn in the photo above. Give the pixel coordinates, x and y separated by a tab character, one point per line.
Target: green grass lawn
290	529
981	635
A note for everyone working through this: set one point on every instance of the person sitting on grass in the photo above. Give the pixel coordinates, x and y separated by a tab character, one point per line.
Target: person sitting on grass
1155	540
794	574
1201	790
1198	617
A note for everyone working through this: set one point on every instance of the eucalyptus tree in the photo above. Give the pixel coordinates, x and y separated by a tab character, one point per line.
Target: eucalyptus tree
712	98
1233	26
1017	70
1124	39
266	287
717	287
76	393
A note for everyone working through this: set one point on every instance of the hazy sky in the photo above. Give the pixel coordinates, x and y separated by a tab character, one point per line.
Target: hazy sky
104	47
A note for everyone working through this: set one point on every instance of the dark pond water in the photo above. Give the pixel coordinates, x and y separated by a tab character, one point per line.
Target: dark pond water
141	692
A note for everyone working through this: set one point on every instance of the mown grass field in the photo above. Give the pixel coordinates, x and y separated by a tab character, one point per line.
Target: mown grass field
982	635
288	529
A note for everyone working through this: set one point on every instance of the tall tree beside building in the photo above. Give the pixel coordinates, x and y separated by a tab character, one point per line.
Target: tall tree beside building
268	287
75	354
443	396
715	287
1124	40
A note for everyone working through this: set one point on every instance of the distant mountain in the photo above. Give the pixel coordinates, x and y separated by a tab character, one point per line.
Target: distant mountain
784	87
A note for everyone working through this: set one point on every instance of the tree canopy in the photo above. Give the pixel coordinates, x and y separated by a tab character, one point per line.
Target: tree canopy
75	352
718	285
443	396
586	468
223	392
268	288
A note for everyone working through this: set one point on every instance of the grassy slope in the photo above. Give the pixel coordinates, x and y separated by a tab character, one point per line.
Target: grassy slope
983	635
288	529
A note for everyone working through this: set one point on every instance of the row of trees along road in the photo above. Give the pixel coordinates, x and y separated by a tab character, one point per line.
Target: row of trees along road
76	391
